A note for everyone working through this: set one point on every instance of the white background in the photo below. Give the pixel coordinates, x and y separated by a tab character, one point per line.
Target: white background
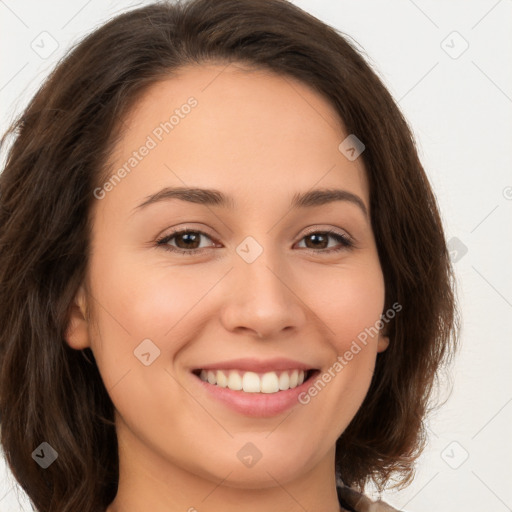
459	107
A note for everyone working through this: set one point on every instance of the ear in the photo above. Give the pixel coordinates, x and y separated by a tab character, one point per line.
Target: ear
77	332
383	341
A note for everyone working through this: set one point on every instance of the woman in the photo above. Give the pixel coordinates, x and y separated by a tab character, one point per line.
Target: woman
175	333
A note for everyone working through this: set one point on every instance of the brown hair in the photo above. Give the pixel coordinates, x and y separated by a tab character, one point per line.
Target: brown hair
48	391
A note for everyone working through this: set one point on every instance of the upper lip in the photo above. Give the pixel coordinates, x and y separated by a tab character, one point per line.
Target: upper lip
257	365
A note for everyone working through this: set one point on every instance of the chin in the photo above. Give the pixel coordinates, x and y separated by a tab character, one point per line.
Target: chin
266	472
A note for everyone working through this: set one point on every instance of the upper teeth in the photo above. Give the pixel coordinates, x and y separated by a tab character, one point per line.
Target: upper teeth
252	382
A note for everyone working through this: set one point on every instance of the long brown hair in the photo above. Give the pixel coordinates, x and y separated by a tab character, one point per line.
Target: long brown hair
61	143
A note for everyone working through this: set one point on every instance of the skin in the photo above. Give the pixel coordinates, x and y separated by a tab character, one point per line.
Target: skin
260	138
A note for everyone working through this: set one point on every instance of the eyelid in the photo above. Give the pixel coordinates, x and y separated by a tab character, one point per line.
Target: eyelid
331	231
182	230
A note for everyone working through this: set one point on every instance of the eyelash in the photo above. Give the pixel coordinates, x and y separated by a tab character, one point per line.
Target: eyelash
344	240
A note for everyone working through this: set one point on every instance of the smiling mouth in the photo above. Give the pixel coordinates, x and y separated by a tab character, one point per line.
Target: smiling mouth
252	382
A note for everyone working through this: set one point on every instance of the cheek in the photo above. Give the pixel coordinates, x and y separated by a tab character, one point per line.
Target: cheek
349	300
138	300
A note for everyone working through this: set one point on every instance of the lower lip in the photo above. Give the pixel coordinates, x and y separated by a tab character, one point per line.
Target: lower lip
257	405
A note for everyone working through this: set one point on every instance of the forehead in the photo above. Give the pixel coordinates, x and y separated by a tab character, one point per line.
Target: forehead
243	130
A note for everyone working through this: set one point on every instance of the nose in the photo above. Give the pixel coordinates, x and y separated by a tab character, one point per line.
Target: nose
260	299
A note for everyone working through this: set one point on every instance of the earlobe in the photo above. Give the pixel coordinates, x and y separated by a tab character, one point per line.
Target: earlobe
77	330
383	343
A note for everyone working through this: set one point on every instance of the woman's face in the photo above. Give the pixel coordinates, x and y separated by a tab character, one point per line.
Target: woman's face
256	287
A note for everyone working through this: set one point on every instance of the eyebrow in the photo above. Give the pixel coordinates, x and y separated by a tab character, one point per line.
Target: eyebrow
212	197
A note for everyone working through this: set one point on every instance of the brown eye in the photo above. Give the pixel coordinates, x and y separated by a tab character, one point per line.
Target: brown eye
319	241
187	241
